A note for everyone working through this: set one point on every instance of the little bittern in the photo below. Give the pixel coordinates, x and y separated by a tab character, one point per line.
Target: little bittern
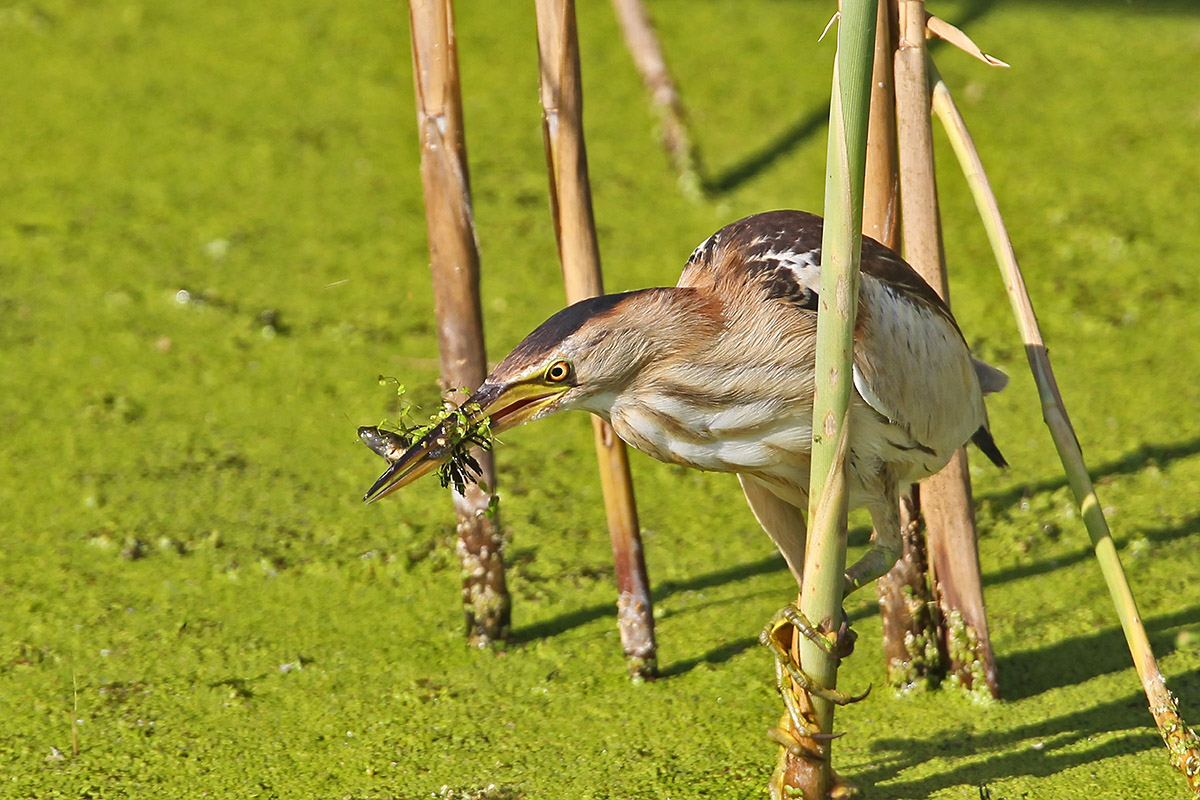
716	373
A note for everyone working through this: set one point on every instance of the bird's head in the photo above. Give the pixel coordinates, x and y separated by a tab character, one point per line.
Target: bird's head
582	357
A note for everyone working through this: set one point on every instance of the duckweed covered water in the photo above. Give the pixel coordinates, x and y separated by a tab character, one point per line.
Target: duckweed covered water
212	243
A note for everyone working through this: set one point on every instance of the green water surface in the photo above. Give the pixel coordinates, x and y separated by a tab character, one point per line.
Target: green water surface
212	242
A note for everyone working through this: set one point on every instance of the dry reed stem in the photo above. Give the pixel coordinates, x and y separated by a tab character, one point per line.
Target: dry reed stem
579	255
918	184
881	187
1182	743
951	35
454	262
647	53
946	501
903	592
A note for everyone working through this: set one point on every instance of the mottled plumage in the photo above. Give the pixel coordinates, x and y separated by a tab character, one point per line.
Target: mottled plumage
918	396
716	373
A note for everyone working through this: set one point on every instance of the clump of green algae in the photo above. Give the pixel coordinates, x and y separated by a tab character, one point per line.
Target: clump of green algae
963	646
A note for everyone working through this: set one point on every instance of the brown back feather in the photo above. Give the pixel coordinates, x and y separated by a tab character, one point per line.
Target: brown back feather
766	249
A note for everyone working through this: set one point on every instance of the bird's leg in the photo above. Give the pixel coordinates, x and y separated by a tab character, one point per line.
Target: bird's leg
887	544
780	734
773	640
796	724
783	522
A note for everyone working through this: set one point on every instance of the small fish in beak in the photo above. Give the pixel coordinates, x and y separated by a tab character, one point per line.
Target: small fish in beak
428	454
494	407
389	445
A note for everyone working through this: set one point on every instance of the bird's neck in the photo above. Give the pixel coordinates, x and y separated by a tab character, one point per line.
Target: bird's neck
659	328
677	320
655	327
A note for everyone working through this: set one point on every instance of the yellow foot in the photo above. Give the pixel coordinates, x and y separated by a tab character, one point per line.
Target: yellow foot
772	638
796	725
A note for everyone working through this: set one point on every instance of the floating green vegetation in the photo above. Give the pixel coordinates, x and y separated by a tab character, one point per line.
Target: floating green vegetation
194	592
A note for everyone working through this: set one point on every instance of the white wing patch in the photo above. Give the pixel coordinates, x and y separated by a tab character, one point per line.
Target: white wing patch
805	266
744	417
872	399
809	259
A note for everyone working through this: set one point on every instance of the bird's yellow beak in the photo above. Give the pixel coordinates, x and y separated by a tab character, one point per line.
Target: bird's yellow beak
508	405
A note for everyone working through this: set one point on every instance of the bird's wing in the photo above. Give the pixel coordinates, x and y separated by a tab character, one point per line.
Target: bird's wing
781	252
777	252
911	362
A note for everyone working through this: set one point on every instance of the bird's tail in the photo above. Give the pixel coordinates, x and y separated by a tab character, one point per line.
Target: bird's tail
984	441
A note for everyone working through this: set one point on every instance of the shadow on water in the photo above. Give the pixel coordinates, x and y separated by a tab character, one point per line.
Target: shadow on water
1082	658
1136	460
716	655
565	622
1189	527
993	756
1026	674
974	10
751	165
813	123
1042	748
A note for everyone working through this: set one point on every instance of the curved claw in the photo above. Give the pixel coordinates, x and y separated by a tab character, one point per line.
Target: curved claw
839	645
790	615
858	698
787	741
806	683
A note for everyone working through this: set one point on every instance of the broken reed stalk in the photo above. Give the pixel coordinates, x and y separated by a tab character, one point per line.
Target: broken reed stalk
1182	743
575	232
454	262
881	187
647	54
945	498
909	638
841	253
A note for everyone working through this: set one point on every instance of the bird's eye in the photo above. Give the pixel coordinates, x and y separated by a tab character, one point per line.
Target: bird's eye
558	372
